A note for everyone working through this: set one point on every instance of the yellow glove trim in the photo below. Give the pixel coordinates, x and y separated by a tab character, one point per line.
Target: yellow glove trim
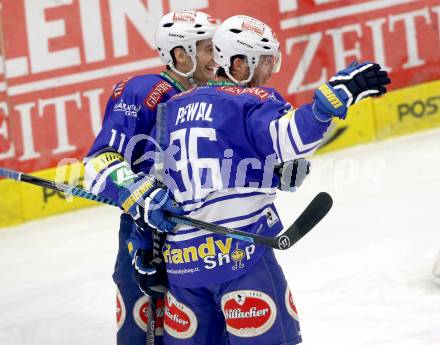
331	97
103	160
137	194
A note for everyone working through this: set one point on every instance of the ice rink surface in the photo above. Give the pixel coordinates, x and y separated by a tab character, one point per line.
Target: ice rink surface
361	277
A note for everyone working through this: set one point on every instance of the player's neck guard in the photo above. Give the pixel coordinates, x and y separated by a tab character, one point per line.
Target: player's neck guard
221	83
179	86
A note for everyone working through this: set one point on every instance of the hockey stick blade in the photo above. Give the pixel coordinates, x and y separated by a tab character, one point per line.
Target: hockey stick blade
312	215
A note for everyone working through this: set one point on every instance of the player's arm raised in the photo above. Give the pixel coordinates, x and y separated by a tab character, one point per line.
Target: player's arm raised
298	132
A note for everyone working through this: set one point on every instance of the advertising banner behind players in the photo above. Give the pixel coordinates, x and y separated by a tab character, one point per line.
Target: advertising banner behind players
62	58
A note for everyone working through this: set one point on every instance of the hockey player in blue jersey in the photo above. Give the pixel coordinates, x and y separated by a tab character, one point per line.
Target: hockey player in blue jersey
224	141
117	166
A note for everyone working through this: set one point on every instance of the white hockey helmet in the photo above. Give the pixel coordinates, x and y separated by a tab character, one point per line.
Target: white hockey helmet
183	29
243	35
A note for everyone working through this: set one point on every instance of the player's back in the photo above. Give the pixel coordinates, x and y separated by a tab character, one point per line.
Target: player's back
213	127
219	173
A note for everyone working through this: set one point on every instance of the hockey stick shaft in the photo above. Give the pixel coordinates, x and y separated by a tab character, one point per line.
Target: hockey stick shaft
159	174
320	204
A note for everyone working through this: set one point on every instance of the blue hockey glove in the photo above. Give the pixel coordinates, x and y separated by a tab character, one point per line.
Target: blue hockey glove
148	263
347	87
292	174
146	202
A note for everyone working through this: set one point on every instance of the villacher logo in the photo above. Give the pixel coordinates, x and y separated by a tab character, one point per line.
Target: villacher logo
290	304
248	313
120	310
179	320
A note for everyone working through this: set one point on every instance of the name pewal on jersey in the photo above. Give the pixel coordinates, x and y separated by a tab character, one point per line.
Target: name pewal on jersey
224	142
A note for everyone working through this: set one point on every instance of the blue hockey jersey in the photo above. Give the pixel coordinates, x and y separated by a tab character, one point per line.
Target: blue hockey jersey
224	143
128	129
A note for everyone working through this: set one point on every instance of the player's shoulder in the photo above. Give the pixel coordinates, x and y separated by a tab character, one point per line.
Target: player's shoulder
141	85
242	96
255	94
187	93
240	93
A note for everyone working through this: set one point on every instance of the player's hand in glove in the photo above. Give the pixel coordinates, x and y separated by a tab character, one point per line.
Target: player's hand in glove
147	203
292	174
347	87
148	263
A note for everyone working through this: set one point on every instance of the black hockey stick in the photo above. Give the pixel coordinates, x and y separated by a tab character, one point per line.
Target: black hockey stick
311	216
159	174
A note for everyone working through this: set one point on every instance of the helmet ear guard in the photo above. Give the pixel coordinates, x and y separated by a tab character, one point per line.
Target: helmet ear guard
247	36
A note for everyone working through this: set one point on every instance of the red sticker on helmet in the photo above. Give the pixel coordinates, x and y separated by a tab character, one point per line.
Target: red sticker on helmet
179	320
248	313
290	304
185	16
253	25
120	310
213	20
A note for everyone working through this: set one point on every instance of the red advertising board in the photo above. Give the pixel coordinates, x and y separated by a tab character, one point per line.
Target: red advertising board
62	57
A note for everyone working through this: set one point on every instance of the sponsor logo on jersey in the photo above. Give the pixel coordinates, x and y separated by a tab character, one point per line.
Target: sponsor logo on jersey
274	98
120	310
256	91
195	253
156	94
130	110
254	26
140	314
179	320
248	313
237	257
185	16
290	304
271	217
213	253
262	94
119	89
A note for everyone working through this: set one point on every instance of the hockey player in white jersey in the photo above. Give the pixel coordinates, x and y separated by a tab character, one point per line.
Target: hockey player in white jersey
227	138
